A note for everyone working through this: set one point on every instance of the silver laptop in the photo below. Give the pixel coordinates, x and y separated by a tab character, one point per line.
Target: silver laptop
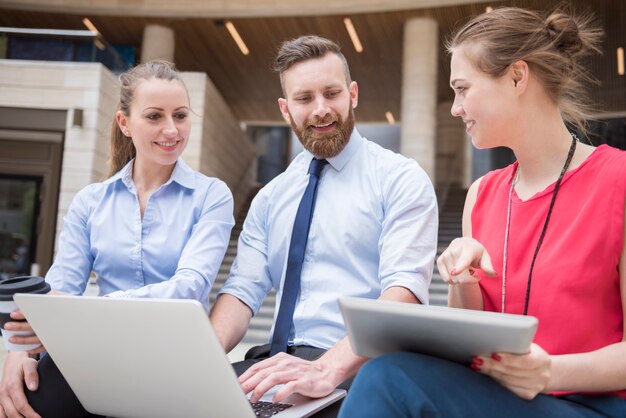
376	327
145	358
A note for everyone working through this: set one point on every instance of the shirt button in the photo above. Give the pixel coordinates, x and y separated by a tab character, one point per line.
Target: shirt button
137	273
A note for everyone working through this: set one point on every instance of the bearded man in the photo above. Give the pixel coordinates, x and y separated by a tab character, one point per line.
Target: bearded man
346	218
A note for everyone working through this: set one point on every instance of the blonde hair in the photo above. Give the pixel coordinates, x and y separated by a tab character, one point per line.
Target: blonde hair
122	148
552	45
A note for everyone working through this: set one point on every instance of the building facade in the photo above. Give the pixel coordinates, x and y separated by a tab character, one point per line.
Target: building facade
55	116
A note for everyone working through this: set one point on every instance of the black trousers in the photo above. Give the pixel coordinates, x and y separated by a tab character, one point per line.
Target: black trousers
55	398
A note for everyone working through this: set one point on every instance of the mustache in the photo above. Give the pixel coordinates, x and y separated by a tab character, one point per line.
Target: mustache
326	120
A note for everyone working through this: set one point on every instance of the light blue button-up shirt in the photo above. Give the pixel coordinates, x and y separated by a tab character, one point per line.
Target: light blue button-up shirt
174	252
374	226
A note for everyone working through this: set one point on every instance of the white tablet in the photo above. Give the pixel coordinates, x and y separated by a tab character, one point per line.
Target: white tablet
375	327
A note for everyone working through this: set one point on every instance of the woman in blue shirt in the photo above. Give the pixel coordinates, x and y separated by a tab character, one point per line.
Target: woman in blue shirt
155	228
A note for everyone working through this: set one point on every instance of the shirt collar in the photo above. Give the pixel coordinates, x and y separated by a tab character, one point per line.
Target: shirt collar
124	174
182	175
346	154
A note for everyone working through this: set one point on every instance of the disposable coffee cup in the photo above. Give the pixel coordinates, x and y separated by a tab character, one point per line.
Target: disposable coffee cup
8	288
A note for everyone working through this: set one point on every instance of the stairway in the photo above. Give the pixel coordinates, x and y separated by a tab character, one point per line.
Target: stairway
450	215
258	331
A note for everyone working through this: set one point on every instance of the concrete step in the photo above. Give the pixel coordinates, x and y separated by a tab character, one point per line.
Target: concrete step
438	286
256	337
451	228
438	300
221	277
261	323
266	310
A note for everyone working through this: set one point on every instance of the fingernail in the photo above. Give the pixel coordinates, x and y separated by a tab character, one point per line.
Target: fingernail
496	357
31	386
475	367
478	361
453	272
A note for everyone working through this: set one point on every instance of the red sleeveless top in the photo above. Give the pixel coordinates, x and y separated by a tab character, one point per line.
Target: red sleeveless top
575	290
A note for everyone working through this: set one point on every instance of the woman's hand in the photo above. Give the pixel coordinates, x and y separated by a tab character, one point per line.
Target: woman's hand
526	375
28	336
21	325
18	370
459	262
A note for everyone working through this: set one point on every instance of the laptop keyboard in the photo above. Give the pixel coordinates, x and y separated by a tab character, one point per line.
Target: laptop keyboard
265	409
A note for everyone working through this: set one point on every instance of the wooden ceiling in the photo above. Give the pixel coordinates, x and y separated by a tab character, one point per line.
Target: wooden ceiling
251	88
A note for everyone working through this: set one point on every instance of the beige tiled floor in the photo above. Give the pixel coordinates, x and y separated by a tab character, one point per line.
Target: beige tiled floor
236	354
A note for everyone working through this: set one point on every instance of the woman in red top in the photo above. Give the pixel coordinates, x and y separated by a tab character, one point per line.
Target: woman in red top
543	237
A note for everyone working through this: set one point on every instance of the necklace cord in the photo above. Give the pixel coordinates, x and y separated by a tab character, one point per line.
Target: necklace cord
557	186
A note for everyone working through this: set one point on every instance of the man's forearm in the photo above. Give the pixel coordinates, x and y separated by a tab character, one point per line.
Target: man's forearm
340	360
230	318
399	294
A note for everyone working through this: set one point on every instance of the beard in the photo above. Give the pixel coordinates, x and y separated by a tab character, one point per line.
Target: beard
326	144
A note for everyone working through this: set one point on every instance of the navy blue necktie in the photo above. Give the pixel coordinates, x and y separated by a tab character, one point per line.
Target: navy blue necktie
299	235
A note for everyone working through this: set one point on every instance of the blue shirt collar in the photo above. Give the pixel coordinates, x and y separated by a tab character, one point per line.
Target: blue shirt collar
340	160
182	175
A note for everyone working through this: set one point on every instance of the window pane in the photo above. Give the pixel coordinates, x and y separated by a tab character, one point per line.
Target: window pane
19	210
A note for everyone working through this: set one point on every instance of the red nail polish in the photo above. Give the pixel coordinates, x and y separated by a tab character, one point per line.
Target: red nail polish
475	367
477	361
496	357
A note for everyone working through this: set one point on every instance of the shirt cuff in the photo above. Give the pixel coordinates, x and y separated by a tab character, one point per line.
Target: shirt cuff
419	287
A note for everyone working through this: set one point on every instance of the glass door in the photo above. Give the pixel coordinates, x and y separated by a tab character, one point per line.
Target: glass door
19	213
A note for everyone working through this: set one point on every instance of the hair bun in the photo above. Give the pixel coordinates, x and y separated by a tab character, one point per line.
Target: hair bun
564	33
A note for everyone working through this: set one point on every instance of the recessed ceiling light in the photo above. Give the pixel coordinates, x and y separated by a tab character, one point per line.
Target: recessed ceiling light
91	26
240	43
98	43
353	35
